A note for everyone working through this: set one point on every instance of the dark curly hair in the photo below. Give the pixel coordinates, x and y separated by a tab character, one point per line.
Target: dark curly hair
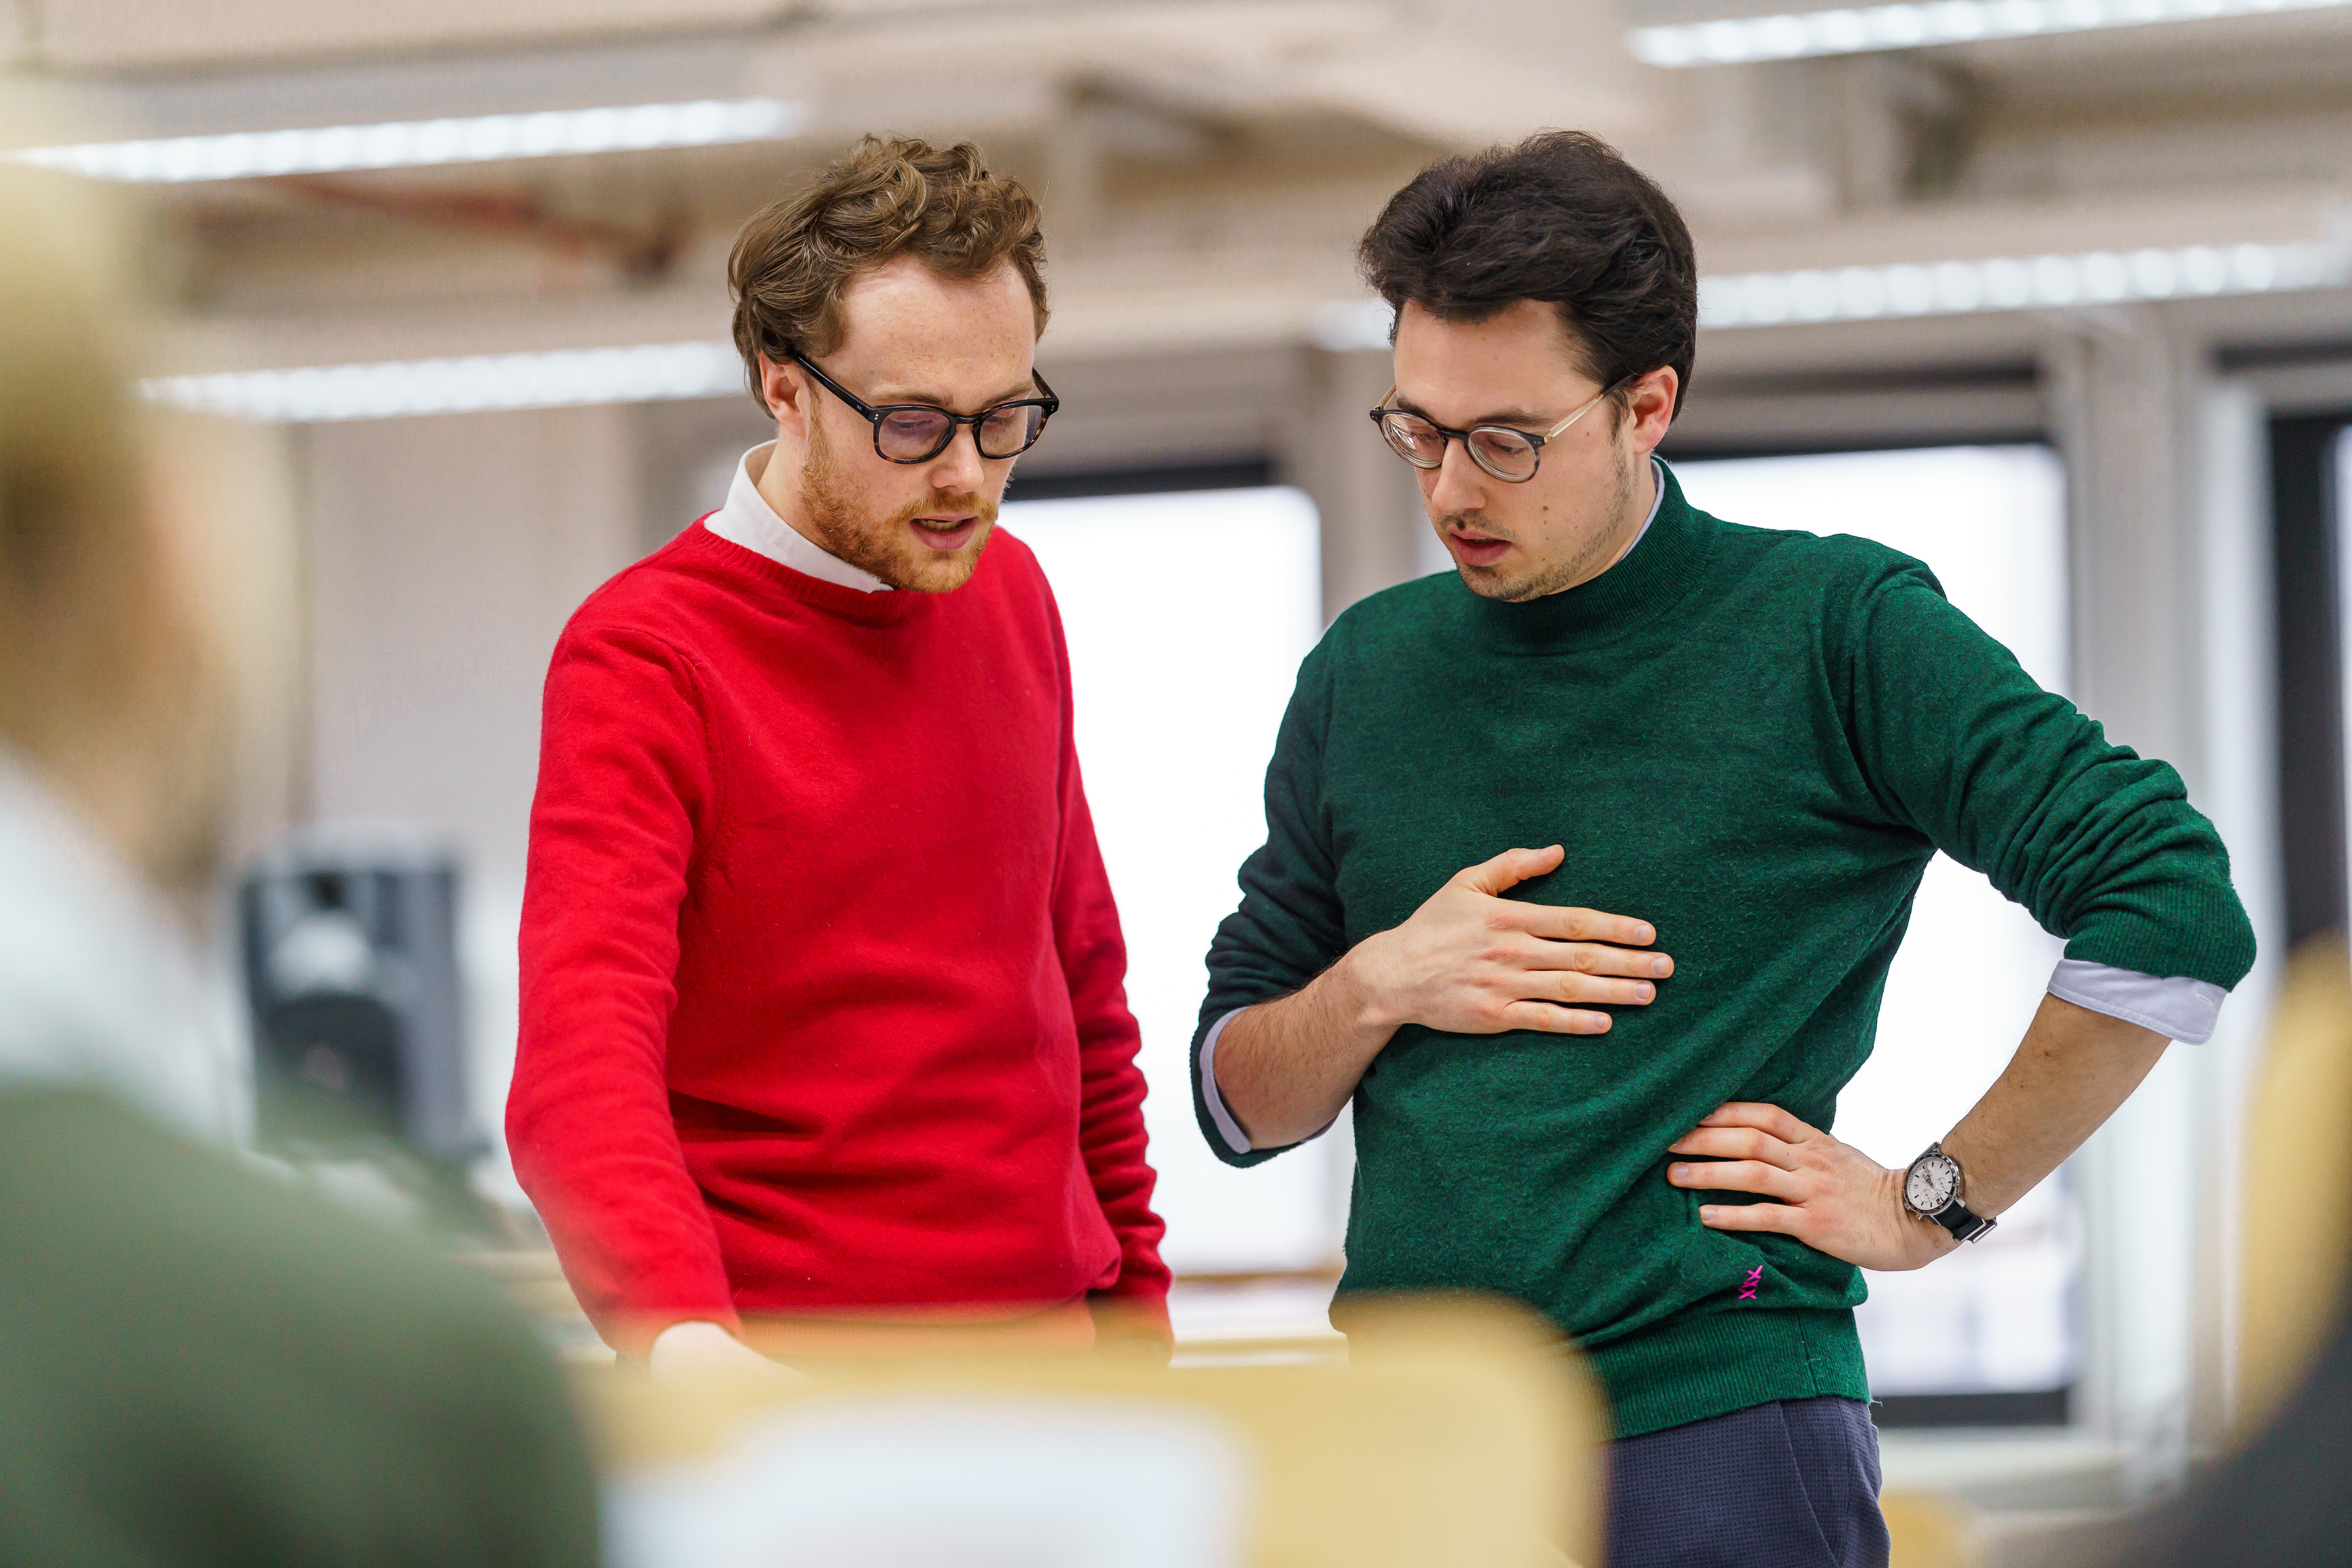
887	197
1560	218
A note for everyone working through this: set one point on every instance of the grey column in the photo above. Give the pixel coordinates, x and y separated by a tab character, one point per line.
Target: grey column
1370	505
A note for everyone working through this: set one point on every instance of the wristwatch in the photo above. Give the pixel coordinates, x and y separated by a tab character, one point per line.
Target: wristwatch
1931	1189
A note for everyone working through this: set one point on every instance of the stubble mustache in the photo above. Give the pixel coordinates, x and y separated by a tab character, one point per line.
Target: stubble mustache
964	503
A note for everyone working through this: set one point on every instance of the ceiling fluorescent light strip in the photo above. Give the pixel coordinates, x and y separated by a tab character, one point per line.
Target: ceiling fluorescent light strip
2010	283
649	373
657	372
412	144
1856	30
1951	288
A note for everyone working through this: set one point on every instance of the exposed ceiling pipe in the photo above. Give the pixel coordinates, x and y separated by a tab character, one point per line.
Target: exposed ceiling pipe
642	256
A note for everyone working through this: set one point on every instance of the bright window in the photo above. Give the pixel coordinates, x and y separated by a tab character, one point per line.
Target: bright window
1990	521
1187	615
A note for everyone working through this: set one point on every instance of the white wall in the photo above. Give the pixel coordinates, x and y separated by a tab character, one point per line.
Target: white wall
443	557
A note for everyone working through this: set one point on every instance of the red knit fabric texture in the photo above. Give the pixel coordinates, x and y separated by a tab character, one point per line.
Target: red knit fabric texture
823	1005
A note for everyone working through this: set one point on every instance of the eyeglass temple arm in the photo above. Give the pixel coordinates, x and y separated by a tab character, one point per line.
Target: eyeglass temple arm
866	410
871	412
1383	410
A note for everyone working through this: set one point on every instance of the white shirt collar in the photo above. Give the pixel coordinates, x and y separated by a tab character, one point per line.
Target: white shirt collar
1658	478
749	520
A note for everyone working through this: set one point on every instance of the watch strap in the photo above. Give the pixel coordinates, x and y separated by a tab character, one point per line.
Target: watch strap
1955	1218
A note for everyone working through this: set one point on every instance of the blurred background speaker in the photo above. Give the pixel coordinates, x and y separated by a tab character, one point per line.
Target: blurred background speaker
351	969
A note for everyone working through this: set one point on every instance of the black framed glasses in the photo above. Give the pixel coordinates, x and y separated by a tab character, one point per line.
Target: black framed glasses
916	431
1509	455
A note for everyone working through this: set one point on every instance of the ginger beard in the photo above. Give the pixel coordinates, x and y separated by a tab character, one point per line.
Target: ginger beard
889	549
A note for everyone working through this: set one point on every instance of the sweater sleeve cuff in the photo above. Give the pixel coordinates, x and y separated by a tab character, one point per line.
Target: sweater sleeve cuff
2177	1007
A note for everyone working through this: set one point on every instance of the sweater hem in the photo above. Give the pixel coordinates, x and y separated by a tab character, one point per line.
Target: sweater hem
1695	1368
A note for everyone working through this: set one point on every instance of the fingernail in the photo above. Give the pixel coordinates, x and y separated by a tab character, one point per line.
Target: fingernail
1678	1169
1659	966
1646	934
1646	991
1706	1213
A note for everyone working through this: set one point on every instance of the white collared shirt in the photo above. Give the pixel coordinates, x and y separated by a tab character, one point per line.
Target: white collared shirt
749	520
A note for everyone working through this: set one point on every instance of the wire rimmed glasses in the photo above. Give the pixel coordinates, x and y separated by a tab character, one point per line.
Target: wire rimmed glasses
1504	452
918	432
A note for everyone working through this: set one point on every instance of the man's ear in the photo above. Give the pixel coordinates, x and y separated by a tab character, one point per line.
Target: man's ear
785	392
1649	406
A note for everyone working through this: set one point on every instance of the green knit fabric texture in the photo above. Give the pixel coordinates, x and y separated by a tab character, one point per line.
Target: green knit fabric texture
1755	740
208	1367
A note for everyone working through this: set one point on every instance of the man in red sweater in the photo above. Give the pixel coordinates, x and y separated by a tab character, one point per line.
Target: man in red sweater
822	1015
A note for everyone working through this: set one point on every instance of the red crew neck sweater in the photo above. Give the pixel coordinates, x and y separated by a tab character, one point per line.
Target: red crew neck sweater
821	981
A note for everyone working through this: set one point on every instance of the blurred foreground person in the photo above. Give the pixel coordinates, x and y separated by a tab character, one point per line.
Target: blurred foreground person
2279	1499
1750	743
199	1364
2279	1502
823	1005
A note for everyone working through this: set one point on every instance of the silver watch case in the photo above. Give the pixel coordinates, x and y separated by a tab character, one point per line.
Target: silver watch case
1932	1185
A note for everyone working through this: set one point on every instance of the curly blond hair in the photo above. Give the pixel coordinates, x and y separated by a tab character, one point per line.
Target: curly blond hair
887	198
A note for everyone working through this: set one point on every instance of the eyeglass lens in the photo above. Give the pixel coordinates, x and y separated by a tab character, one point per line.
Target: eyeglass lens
911	434
1506	454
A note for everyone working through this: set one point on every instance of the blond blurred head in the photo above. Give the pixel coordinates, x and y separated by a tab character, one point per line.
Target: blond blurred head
138	569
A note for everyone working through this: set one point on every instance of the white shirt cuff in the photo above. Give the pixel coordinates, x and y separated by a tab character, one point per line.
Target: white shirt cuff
2179	1008
1227	1127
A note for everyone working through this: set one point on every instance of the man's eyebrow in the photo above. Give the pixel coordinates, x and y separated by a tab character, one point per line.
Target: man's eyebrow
1026	387
1498	417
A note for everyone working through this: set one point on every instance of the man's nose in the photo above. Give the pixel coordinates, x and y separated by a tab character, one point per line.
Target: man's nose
960	467
1458	484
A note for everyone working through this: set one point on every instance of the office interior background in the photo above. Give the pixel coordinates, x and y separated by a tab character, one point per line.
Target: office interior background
2069	277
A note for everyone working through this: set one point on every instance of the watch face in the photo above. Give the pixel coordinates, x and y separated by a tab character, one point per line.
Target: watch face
1931	1183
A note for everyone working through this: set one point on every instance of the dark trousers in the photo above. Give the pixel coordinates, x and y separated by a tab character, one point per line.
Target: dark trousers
1793	1484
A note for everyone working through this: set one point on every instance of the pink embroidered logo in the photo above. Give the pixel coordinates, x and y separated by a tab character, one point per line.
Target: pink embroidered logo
1755	1278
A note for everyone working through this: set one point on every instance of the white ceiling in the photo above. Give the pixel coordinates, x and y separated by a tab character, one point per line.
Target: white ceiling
1206	163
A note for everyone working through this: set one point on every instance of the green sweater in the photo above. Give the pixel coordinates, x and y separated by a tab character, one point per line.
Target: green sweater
205	1365
1755	740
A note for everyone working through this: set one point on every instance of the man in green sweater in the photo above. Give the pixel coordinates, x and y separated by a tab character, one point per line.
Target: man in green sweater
1753	741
